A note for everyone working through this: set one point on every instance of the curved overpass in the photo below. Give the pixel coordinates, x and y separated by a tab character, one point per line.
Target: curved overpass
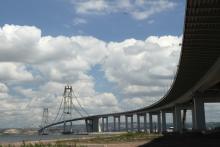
199	65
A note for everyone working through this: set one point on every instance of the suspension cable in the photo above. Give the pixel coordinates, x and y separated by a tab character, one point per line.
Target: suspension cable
60	117
58	110
80	104
74	107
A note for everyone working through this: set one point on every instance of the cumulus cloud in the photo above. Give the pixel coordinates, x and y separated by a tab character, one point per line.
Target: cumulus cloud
3	88
17	44
138	9
14	72
142	67
34	70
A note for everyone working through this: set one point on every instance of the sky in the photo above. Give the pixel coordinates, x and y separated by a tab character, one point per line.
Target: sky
117	54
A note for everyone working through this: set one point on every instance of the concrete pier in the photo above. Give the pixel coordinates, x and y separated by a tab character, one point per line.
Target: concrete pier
138	123
139	128
105	124
131	122
126	123
92	124
177	119
164	126
150	122
159	122
199	114
116	123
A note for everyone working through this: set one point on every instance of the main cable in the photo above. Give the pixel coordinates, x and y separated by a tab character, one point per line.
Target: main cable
74	107
58	110
80	104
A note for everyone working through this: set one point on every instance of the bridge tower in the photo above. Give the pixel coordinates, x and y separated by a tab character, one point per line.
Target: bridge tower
44	121
67	108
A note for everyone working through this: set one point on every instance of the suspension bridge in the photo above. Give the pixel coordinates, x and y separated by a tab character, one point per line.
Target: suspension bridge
197	81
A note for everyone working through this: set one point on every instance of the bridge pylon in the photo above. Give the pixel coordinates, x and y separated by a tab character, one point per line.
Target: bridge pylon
44	121
67	109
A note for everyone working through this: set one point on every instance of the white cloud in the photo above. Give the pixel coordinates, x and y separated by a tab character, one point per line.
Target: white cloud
132	103
35	68
79	21
149	8
138	9
40	66
91	6
142	67
3	88
14	72
17	43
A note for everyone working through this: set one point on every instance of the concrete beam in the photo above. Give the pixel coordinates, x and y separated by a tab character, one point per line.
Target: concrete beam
214	99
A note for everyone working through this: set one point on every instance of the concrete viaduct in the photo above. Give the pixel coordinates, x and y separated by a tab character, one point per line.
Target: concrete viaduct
197	80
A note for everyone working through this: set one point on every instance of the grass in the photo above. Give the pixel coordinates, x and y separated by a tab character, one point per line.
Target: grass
44	145
99	139
126	137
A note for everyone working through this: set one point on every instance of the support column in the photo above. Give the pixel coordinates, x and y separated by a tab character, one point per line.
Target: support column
159	122
114	126
119	124
199	113
92	124
145	123
193	119
107	124
126	123
184	119
150	123
67	127
177	114
132	123
138	122
174	121
87	128
64	126
164	127
103	125
71	127
95	125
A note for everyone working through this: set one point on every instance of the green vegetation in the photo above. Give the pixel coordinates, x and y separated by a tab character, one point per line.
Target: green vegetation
44	145
98	139
126	137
